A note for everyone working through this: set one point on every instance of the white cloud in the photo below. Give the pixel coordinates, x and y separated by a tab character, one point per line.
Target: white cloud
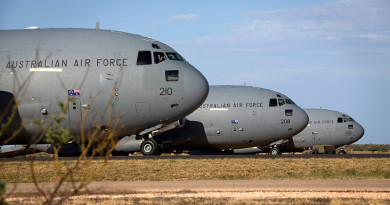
374	36
345	40
330	21
183	17
337	22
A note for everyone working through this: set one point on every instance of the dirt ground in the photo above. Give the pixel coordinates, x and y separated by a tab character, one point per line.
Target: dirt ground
227	189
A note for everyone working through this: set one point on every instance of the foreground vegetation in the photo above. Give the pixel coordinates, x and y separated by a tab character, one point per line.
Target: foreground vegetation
202	169
370	148
189	201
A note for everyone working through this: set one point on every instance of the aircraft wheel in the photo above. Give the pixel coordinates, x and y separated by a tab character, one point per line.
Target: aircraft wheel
315	151
342	152
275	151
149	147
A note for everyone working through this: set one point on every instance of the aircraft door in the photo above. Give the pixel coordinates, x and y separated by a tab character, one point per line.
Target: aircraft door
143	110
74	109
316	138
270	119
341	130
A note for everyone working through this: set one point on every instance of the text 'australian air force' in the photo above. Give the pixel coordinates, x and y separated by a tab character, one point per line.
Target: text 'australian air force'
61	63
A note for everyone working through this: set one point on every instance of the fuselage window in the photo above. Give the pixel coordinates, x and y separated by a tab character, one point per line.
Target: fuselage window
289	101
171	75
288	112
339	120
158	57
144	58
350	127
273	102
175	56
281	102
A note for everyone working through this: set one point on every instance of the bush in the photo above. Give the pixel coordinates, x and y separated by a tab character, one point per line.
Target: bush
2	192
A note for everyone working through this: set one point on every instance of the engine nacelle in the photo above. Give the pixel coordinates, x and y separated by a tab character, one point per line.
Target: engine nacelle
177	124
128	144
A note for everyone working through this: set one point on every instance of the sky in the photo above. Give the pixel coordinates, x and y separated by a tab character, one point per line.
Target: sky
322	54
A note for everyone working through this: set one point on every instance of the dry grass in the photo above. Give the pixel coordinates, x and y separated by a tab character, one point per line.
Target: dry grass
206	169
228	201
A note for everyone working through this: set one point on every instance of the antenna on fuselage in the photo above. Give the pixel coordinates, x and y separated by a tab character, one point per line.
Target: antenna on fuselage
97	26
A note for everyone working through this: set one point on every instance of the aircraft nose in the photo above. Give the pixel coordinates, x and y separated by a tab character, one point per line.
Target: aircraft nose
196	88
358	131
301	119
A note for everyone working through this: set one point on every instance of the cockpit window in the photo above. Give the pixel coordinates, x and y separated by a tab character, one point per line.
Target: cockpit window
351	119
158	57
289	101
281	102
273	102
155	46
175	56
343	119
144	58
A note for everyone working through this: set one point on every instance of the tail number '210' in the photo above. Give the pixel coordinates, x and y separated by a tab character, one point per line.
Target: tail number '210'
166	91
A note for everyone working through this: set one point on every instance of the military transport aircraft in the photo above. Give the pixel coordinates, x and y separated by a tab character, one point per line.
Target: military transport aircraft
326	127
109	78
231	117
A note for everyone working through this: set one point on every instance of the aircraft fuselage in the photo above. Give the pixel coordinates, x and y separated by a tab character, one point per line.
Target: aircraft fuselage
107	79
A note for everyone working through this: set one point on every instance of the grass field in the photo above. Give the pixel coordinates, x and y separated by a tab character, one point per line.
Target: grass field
201	169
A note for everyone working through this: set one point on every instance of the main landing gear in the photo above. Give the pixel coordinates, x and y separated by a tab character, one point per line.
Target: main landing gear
275	151
150	147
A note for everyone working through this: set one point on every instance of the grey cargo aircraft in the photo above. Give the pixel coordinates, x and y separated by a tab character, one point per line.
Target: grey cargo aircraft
231	117
325	127
107	77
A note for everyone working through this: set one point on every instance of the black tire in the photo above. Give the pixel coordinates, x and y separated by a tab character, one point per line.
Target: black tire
275	151
342	152
315	151
149	147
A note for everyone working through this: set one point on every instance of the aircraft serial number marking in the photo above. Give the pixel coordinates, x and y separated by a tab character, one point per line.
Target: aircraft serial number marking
285	121
166	91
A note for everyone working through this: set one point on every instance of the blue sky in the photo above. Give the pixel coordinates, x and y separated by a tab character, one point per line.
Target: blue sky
329	54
